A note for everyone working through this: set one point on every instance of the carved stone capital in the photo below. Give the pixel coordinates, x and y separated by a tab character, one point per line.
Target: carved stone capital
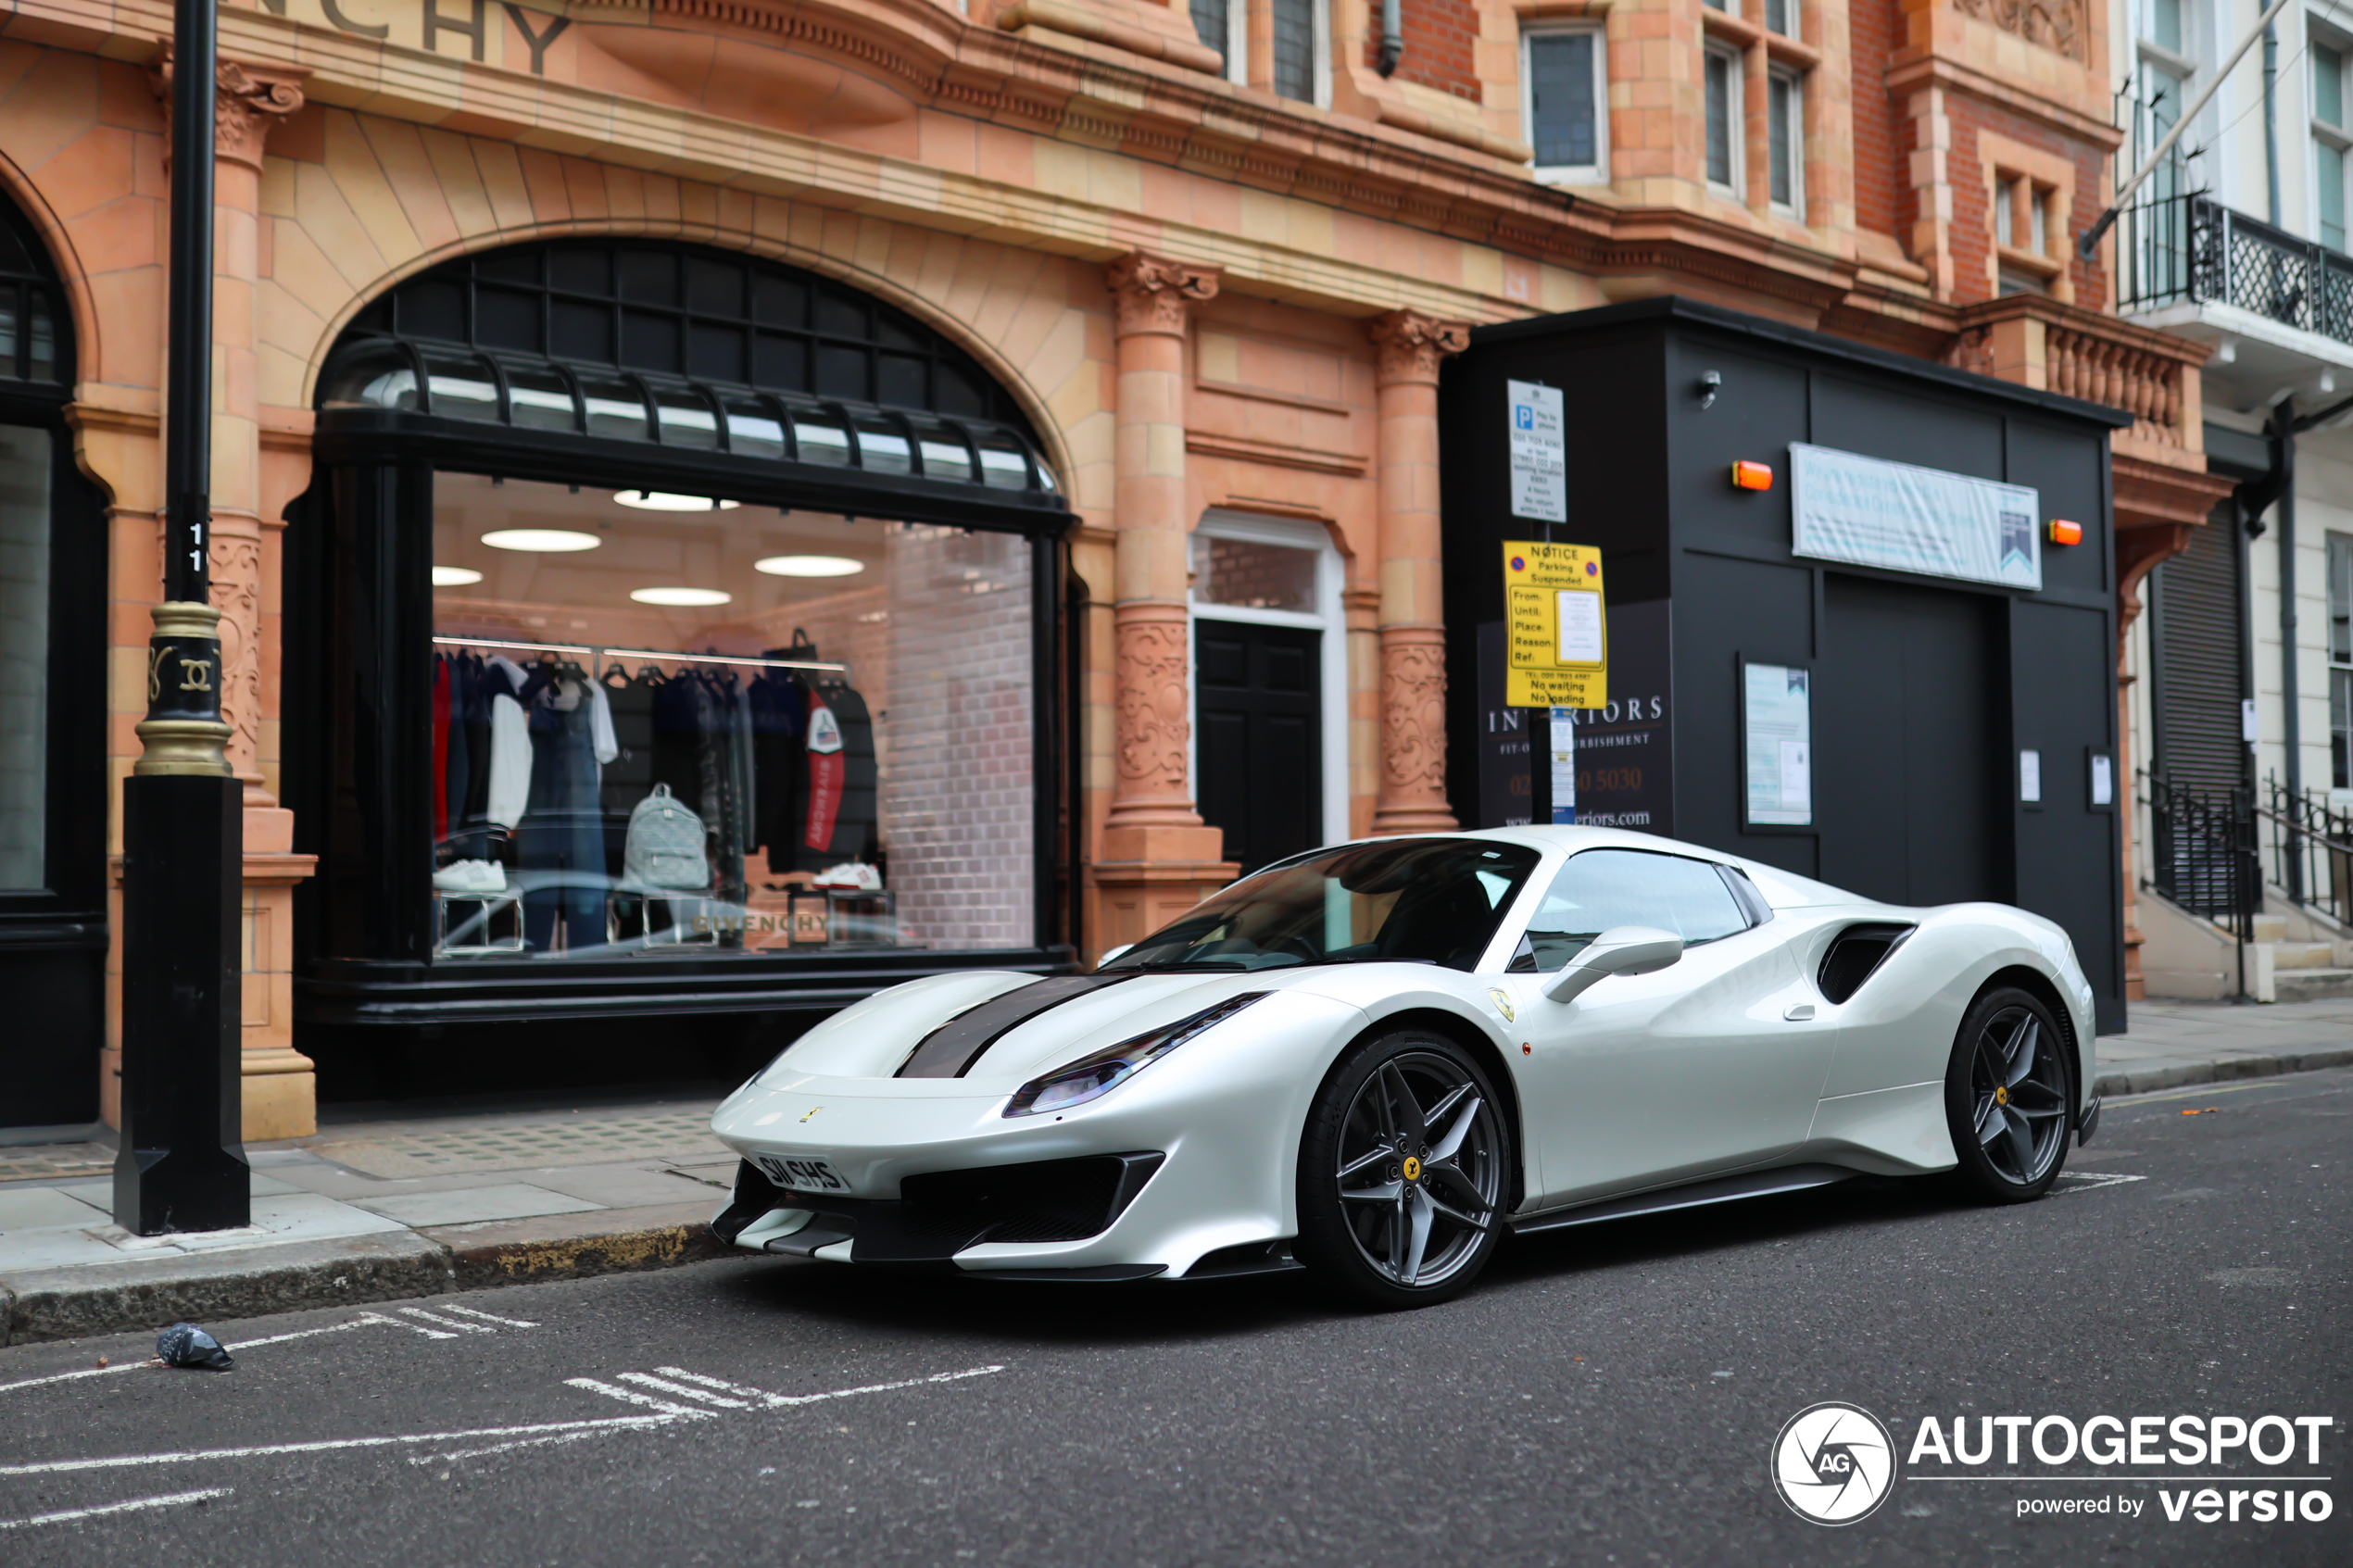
1409	346
1151	291
249	100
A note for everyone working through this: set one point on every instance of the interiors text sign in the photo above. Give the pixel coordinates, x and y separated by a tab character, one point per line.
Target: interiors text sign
1539	452
1556	641
1623	750
1871	512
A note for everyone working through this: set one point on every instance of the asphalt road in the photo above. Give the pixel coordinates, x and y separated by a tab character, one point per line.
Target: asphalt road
1612	1395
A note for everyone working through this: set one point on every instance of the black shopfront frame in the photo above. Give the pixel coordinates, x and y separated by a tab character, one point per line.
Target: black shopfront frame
356	700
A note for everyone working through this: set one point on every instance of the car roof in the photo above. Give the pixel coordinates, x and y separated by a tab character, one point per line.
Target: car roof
1782	890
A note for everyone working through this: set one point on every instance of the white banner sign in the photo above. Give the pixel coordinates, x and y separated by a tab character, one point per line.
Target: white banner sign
1539	452
1871	512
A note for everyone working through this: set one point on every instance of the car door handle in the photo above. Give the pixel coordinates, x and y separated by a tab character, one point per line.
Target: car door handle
1800	1013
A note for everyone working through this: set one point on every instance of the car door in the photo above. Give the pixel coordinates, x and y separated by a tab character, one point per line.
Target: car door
1713	1062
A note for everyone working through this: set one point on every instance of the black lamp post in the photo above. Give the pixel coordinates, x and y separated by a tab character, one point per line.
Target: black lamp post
183	1164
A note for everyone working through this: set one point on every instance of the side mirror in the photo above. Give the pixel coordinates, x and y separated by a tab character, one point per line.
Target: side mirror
1622	949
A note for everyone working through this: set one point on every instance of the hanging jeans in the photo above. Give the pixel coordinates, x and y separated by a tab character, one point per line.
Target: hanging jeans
561	853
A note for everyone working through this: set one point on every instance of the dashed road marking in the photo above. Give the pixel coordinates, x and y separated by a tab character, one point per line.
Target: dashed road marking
67	1516
684	1390
2084	1181
489	1317
458	1323
633	1397
324	1446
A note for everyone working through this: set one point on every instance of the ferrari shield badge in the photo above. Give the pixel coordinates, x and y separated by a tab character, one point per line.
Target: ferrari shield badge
1503	1005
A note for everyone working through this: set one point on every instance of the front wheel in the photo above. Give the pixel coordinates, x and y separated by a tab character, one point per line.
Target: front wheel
1402	1173
2008	1095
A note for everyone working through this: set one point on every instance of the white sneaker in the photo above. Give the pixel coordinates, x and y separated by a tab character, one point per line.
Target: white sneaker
470	876
850	875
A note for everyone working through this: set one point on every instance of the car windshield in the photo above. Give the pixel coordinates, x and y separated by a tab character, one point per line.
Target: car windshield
1412	900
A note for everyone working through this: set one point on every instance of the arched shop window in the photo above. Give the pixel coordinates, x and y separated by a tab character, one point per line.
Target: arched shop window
53	704
675	632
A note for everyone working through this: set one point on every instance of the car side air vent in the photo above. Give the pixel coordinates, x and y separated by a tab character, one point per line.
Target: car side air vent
1856	953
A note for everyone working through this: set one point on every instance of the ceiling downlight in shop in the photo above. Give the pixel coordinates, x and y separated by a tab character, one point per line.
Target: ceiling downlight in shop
682	599
540	541
454	576
808	566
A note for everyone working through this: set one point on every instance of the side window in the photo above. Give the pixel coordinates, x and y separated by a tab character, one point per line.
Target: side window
1602	888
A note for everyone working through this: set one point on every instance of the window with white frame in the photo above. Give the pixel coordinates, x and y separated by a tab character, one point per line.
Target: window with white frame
1785	139
1726	129
1222	25
1562	90
1299	49
1780	16
2023	234
2331	60
2341	660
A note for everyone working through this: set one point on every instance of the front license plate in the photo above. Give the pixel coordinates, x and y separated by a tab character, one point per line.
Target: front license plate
803	1173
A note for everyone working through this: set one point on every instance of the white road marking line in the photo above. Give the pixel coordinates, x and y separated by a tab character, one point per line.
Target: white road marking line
2084	1181
646	1380
779	1402
67	1515
139	1366
444	1457
636	1399
489	1317
446	1322
332	1445
411	1327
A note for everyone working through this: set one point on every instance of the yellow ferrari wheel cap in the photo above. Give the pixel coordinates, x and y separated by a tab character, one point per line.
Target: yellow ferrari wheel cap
2001	1095
1413	1169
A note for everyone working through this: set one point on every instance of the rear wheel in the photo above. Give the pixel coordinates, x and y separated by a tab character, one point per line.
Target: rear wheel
2008	1095
1402	1173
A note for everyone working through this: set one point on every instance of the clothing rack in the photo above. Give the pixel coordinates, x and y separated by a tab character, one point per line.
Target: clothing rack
598	654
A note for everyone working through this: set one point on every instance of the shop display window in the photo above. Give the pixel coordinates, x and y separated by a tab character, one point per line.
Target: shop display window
669	726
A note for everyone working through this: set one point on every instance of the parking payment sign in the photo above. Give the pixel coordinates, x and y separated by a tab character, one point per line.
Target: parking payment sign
1556	635
1539	451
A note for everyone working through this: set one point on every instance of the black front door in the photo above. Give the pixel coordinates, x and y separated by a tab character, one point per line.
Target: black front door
1258	716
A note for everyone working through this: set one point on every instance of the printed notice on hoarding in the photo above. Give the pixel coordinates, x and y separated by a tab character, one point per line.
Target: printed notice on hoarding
1776	711
1556	632
1871	512
1539	452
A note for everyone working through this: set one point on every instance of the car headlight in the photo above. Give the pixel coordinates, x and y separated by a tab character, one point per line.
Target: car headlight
1097	1075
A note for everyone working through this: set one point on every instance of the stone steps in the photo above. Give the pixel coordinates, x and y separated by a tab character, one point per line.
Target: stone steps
2312	984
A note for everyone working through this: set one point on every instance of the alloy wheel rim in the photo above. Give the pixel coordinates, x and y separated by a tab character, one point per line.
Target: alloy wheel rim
2018	1097
1419	1171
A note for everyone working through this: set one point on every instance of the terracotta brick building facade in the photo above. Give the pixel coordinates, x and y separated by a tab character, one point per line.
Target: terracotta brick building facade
1212	298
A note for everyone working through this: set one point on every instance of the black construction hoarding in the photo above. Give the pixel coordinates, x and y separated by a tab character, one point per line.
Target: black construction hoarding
1902	688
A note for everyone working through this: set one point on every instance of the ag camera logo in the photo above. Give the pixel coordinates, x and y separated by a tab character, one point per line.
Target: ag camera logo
1833	1464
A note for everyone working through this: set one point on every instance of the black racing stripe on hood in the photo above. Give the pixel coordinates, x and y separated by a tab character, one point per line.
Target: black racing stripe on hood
949	1051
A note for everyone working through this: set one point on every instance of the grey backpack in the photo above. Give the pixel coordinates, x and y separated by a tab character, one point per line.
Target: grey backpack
665	844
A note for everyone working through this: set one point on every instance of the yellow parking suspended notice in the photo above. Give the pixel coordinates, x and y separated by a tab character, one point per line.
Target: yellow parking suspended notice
1554	627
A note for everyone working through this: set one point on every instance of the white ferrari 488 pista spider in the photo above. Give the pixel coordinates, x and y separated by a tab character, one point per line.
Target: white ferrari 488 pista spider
1372	1061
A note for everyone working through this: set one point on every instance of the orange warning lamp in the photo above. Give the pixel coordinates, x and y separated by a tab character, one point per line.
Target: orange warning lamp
2066	532
1753	476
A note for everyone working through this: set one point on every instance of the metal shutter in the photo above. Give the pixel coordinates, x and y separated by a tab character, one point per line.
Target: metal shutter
2196	639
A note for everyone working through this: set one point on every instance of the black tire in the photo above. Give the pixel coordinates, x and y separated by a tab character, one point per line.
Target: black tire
1406	1133
2009	1097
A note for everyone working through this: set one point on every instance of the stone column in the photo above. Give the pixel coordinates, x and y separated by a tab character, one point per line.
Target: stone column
1157	857
1413	628
280	1088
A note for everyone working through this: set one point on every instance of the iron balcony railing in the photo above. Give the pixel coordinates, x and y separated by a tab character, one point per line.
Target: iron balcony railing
2193	249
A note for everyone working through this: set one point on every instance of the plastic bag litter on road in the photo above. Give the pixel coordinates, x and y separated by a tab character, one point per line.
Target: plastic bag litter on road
184	1343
